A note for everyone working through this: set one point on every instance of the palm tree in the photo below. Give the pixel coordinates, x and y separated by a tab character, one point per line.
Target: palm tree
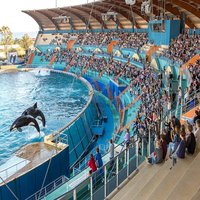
7	37
26	41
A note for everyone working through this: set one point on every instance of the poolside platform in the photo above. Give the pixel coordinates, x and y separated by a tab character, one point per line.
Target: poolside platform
8	68
27	158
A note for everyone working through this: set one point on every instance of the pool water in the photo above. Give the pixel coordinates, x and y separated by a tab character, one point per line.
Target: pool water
59	96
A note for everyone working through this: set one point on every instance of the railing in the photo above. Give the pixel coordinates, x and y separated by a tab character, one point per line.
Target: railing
83	164
48	189
5	172
104	181
36	66
194	100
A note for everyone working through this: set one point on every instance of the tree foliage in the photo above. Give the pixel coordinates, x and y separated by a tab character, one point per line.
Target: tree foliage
7	36
26	41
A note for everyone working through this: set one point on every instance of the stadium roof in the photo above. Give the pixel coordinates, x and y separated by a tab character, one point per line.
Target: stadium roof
89	15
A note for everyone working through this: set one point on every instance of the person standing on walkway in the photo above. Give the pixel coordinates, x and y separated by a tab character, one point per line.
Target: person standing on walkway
111	149
92	164
127	138
98	159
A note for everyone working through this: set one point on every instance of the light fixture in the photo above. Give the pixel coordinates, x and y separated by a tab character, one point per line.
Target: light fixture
130	2
107	16
62	19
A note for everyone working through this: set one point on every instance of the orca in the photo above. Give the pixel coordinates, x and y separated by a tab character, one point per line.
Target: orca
36	113
26	120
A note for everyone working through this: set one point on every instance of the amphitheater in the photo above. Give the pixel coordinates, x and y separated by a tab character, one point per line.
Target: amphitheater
140	62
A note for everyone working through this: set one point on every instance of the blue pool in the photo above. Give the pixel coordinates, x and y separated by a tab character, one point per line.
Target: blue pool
59	96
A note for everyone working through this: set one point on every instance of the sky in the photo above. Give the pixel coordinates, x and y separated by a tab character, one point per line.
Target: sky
11	15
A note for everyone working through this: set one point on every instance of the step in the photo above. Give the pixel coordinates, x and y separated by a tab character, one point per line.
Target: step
136	183
167	185
197	195
189	184
154	182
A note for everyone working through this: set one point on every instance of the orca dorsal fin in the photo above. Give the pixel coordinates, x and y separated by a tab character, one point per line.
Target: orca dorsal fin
35	105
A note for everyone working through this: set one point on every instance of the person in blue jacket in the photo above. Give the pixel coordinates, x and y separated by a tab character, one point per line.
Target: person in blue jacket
99	162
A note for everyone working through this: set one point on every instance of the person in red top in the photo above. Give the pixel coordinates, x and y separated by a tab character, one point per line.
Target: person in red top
92	164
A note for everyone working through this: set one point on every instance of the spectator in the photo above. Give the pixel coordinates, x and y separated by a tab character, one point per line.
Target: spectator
175	142
197	134
99	162
92	164
111	150
176	122
197	116
190	140
164	145
157	156
180	151
127	138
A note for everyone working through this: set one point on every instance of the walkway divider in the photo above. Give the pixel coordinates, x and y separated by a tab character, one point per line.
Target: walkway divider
134	100
100	75
109	93
52	60
152	50
87	66
70	44
97	86
70	64
31	57
122	113
193	60
110	46
129	123
127	88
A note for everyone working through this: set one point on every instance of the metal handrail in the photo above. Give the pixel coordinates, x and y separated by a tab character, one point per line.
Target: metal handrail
48	188
103	155
12	166
114	161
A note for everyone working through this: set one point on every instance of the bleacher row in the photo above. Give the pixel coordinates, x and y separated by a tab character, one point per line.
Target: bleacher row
153	101
125	40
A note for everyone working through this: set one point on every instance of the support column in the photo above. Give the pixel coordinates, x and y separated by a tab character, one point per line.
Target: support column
133	23
117	24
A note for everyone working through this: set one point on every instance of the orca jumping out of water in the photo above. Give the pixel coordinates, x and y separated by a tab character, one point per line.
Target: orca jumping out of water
35	112
25	120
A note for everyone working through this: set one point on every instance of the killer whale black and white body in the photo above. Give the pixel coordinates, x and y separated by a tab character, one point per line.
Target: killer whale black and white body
25	120
36	113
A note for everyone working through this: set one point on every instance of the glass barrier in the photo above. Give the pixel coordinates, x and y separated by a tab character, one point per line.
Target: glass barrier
99	184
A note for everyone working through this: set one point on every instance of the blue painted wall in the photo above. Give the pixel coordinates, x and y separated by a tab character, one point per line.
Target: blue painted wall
172	30
31	182
80	133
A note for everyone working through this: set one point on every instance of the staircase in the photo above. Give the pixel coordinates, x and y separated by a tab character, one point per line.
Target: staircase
158	182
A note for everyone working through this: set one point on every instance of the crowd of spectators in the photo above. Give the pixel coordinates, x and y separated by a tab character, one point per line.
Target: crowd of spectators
176	140
62	55
124	39
183	48
192	93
